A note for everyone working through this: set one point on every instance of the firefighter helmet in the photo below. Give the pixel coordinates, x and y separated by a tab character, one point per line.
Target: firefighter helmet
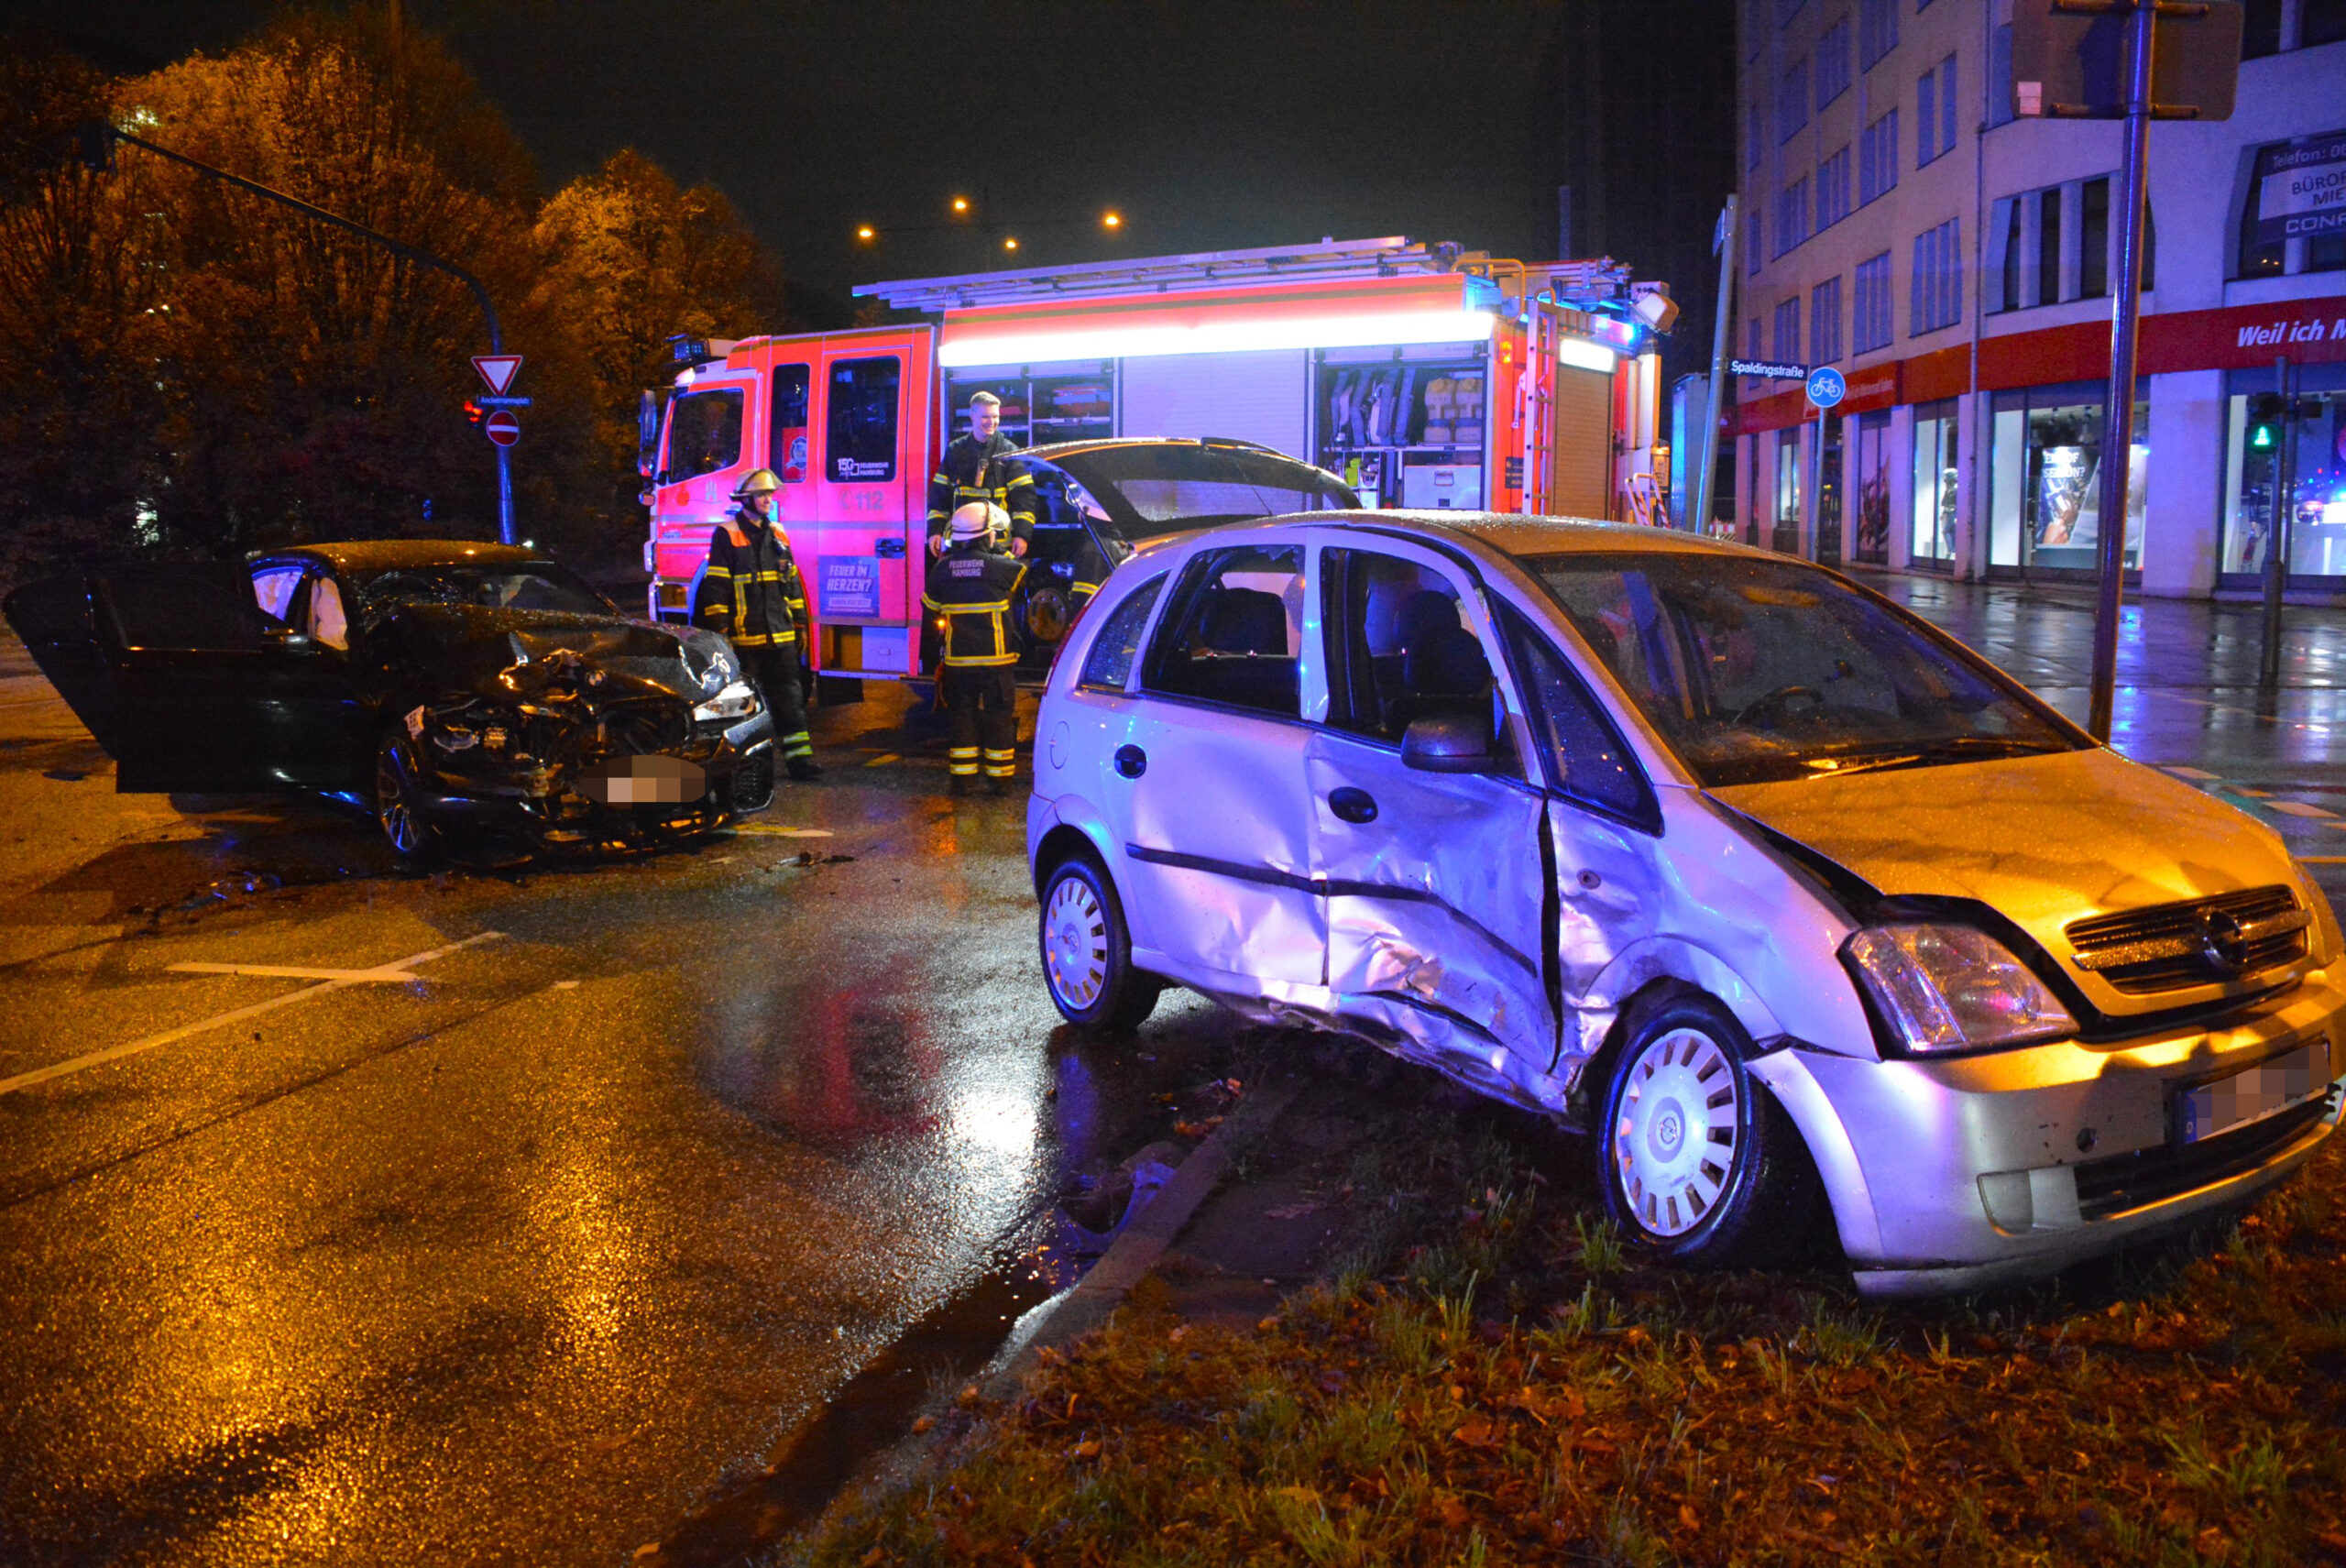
980	518
760	482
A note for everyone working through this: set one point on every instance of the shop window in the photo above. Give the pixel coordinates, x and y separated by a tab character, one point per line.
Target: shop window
1869	483
2260	32
1233	635
1877	30
1824	323
2093	238
859	437
1833	190
1787	513
786	434
2046	467
703	433
1932	520
2316	493
1937	282
1878	158
1869	326
1833	62
1788	331
1792	100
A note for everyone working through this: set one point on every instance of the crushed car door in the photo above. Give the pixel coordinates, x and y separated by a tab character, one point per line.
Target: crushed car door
1436	888
213	693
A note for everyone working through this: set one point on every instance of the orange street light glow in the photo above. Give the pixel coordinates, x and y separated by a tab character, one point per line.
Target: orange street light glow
960	203
1010	244
863	231
1112	220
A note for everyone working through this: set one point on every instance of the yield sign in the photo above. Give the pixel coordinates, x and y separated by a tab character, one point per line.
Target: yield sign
503	427
498	370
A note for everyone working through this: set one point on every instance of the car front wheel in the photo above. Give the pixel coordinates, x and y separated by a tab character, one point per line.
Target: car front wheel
1087	951
1700	1164
395	805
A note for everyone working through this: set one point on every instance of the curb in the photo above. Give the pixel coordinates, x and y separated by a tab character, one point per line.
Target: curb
1092	1300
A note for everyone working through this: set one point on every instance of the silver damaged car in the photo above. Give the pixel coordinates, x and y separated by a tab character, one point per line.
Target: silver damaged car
1770	887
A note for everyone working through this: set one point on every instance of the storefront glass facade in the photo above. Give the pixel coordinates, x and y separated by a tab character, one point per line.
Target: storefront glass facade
2317	497
1787	511
1869	483
2044	489
1931	545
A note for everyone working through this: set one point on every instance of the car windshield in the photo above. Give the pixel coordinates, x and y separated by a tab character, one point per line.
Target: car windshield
1142	489
535	585
1759	670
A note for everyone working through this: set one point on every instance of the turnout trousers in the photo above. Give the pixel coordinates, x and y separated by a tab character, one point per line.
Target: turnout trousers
982	707
775	672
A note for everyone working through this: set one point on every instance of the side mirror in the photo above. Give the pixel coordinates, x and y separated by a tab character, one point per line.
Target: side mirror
647	433
1448	743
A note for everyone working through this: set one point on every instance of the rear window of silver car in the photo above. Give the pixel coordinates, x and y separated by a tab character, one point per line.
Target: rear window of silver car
1756	671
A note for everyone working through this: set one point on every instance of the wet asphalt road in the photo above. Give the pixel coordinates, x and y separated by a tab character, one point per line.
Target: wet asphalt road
517	1254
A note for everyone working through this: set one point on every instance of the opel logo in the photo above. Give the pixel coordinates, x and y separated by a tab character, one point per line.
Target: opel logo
2222	943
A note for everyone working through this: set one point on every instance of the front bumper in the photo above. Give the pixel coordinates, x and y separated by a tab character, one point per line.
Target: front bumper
514	804
1950	1176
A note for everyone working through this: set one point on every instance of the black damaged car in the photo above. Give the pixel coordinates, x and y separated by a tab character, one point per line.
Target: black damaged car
452	688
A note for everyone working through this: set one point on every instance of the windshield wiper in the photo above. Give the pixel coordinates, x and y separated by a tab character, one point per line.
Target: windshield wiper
1952	748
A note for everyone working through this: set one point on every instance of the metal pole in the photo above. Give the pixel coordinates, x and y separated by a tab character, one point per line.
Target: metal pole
422	258
2277	543
2118	416
1699	514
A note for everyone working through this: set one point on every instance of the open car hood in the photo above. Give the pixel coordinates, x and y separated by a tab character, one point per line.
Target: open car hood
471	647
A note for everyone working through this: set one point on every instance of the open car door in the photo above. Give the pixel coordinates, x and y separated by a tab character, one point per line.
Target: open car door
188	685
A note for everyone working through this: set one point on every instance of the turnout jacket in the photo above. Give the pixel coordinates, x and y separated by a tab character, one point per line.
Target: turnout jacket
750	589
970	588
988	471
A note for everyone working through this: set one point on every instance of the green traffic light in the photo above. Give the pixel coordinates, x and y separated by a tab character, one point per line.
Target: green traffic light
2261	437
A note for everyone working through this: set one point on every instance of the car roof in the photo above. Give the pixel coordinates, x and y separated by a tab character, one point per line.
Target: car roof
1104	442
397	554
1518	534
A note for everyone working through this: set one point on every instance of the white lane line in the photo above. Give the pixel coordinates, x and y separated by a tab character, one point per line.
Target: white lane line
116	1053
766	830
2187	773
2294	808
2322	859
390	973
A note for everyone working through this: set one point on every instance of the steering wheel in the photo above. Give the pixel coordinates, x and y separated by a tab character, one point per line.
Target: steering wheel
1777	703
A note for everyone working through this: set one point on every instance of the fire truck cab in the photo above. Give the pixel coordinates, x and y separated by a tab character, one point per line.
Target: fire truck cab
1390	373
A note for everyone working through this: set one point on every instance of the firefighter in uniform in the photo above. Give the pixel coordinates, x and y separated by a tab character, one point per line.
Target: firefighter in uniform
751	592
982	466
969	591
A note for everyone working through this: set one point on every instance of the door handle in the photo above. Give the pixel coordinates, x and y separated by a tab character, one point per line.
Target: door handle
1352	805
1131	761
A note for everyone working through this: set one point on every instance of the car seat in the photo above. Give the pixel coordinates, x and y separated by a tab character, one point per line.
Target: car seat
1443	672
1241	653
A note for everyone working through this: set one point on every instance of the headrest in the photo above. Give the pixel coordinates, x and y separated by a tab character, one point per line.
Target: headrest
1446	662
1244	621
1424	611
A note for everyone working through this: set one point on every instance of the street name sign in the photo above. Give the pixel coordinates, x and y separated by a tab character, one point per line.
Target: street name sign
503	427
1825	387
498	370
501	402
1768	369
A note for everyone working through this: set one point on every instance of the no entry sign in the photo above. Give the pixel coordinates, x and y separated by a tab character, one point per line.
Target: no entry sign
503	427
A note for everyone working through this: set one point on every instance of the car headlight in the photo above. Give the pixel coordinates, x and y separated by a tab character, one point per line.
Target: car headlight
738	700
1950	988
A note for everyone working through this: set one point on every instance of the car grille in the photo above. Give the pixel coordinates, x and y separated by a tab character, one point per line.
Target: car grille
2107	1187
2207	941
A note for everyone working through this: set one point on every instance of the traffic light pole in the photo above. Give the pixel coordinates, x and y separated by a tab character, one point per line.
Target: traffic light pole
95	137
2118	416
2276	536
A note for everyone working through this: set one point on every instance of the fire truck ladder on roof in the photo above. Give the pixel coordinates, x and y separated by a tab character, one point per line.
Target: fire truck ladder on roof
1580	283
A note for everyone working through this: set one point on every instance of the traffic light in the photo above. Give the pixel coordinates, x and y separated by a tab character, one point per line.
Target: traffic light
474	413
2267	413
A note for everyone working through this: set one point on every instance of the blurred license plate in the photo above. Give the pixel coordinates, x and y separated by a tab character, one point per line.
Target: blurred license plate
645	781
2266	1089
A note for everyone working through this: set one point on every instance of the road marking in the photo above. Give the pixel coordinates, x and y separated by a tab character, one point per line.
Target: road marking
762	829
2296	809
389	973
2188	774
883	760
116	1053
2321	860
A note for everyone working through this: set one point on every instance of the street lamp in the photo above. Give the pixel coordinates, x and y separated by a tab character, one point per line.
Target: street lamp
960	203
864	232
1010	242
1112	220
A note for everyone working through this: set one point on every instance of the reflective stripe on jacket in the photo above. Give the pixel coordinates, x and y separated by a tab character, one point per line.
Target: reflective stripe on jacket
970	587
750	589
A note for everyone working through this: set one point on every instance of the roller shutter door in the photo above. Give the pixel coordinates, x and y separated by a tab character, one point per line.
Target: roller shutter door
1256	395
1583	486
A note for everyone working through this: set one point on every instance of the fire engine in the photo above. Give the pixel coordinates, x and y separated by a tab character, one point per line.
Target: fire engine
1406	374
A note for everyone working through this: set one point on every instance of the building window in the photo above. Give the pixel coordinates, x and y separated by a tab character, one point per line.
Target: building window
2292	196
1751	240
1788	332
1792	100
1824	323
2093	239
2048	247
2010	226
1791	216
2000	75
1869	483
1878	158
1755	28
2316	502
1935	113
1755	343
1870	327
1877	30
1755	136
1787	9
1946	105
1937	298
2321	22
2260	32
1833	62
1935	473
2045	468
1833	190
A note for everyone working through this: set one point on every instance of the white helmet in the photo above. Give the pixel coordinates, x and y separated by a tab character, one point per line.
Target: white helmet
979	520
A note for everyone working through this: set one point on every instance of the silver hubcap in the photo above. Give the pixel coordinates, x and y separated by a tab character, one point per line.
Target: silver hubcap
1075	943
1674	1135
390	803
